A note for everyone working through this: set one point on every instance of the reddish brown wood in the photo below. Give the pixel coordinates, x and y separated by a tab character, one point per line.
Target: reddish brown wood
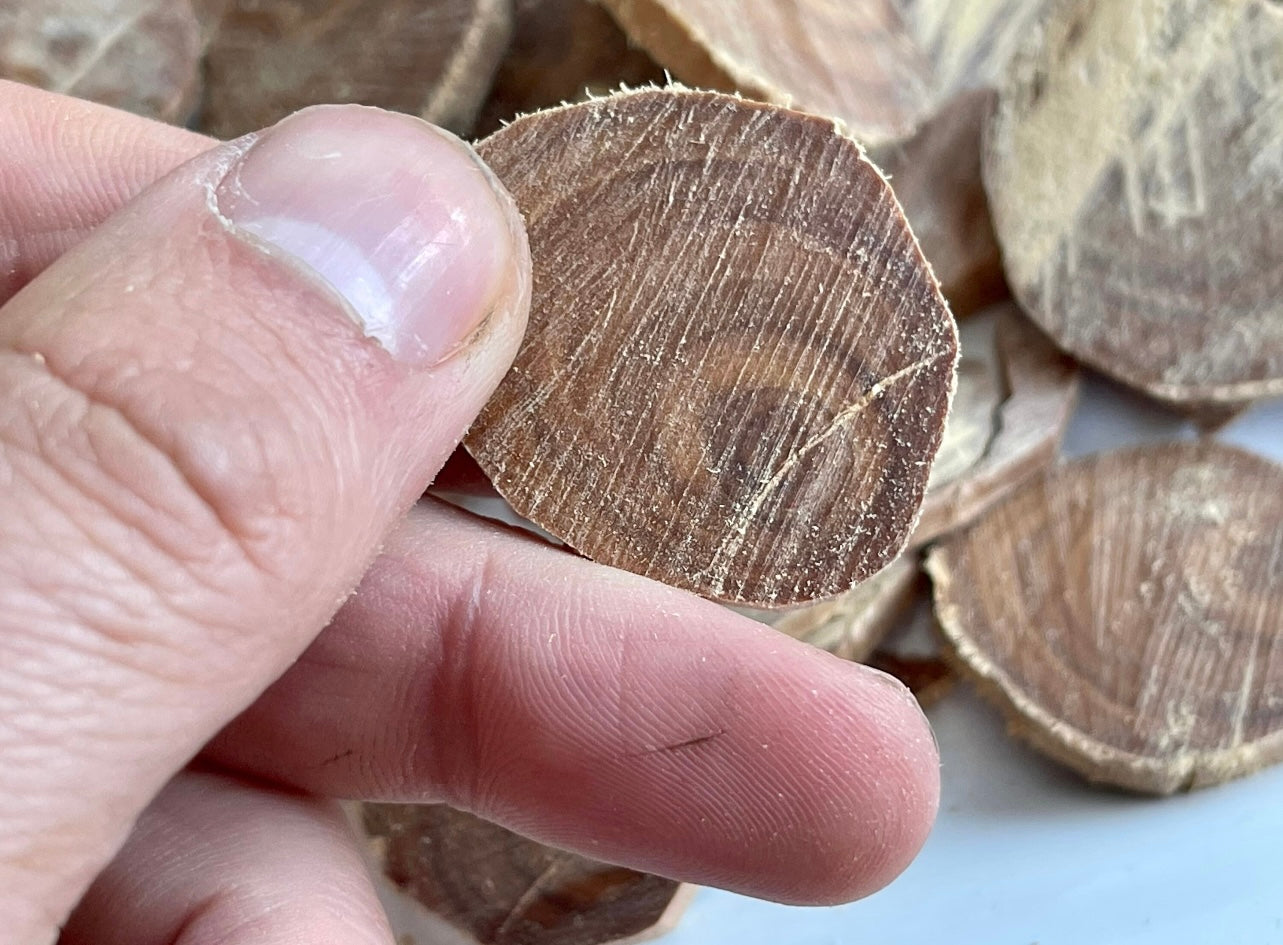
738	364
855	62
273	57
501	889
1126	611
139	55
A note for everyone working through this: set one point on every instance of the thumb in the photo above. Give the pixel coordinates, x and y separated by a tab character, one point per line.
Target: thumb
210	413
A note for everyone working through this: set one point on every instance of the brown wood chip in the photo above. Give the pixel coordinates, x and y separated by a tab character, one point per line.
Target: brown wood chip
1133	171
936	177
502	889
563	51
855	62
738	365
273	57
1015	396
853	625
1126	611
139	55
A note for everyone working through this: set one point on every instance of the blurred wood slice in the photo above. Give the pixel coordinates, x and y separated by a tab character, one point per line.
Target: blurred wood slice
1126	611
142	56
738	364
563	51
1015	396
1133	169
430	58
929	678
936	177
853	625
854	62
969	42
501	889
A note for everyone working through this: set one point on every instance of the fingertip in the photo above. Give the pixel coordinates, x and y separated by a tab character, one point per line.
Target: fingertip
862	770
891	795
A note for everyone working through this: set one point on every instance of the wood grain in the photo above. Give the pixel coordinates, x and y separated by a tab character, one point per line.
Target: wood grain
853	625
432	59
936	177
738	364
854	62
1133	170
563	51
501	889
1014	398
142	56
969	42
1126	611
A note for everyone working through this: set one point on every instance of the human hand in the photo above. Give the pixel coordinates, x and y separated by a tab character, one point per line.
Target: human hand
215	411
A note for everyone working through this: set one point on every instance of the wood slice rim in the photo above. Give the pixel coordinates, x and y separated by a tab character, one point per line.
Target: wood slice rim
738	363
969	593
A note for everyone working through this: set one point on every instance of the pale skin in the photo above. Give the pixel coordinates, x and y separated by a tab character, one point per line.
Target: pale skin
202	460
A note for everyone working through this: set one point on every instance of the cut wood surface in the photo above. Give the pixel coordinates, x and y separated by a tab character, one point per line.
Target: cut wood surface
1127	613
139	55
936	177
1133	169
502	889
738	365
855	62
854	624
1015	396
969	42
562	51
273	57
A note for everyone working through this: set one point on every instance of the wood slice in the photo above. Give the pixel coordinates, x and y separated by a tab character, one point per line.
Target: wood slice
853	625
1015	396
969	42
502	889
431	59
139	55
1133	170
936	177
854	62
563	51
738	364
1126	611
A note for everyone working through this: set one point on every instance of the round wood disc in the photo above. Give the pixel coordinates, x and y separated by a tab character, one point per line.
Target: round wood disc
142	56
1133	168
738	364
855	62
273	57
502	889
1127	613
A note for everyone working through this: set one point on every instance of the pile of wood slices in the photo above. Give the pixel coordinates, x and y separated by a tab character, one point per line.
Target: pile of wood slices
743	375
